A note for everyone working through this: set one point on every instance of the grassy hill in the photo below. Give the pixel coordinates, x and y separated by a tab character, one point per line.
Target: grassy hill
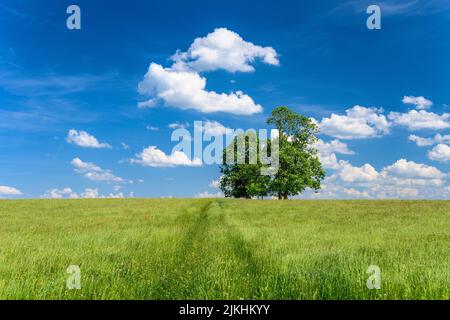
224	249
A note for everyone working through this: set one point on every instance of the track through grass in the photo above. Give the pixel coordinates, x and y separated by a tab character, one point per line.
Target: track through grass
224	249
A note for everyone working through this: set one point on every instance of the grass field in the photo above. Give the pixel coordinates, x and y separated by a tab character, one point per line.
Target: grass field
224	249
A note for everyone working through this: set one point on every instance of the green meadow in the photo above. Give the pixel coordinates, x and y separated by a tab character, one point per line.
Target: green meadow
224	249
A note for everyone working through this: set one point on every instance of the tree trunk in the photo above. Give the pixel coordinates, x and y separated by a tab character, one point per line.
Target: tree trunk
285	196
280	196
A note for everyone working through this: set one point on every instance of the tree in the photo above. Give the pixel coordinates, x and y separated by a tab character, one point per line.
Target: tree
243	179
299	167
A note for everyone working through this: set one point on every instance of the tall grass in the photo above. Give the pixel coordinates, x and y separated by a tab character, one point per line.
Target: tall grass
224	249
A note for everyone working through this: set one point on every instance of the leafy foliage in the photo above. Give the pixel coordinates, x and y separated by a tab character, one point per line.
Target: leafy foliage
299	165
243	180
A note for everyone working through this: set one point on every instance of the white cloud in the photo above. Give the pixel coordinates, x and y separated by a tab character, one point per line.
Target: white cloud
421	102
404	173
328	150
372	191
68	193
60	193
417	120
209	195
358	123
410	169
93	172
9	191
90	193
329	161
178	125
153	157
182	86
349	173
408	193
223	49
124	146
403	179
382	191
147	104
438	138
424	142
354	193
186	90
440	153
84	139
214	128
151	128
215	184
420	141
334	146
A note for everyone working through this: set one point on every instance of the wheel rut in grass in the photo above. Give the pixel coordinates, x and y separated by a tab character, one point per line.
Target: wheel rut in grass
213	260
259	272
183	267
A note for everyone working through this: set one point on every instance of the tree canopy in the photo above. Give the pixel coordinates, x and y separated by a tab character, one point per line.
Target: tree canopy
243	179
299	165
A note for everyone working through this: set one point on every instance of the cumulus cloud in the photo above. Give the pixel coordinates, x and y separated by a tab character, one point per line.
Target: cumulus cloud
354	193
328	151
329	161
410	169
349	173
88	193
9	191
153	157
84	139
182	86
420	141
417	120
223	49
215	184
334	146
403	179
93	172
94	194
60	193
209	195
375	191
421	102
440	153
187	90
178	125
425	142
214	128
358	123
382	191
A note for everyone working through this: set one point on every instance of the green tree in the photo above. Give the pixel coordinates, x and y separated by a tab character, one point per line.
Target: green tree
299	166
243	179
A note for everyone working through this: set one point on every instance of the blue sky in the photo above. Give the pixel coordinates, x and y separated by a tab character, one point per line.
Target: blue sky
381	97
